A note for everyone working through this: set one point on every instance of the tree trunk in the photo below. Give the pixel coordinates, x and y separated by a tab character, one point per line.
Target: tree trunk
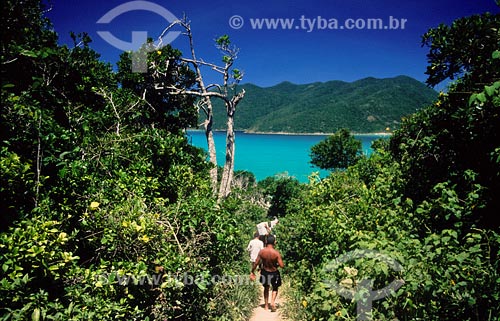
228	171
212	154
220	92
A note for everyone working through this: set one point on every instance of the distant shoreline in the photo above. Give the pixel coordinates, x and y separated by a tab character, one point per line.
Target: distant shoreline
298	134
313	134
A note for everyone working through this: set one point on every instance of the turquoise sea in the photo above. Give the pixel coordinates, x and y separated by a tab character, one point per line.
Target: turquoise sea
271	154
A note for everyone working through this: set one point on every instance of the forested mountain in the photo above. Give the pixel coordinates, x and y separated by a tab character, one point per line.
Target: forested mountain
366	105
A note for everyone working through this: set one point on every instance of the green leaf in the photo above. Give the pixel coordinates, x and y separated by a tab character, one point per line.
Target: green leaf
481	97
496	54
53	268
35	316
28	53
384	269
201	285
472	99
70	308
490	90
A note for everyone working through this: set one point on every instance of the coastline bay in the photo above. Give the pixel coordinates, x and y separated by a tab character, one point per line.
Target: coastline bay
269	154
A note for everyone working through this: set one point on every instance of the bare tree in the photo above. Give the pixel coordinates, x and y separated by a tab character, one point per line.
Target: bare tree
205	103
226	92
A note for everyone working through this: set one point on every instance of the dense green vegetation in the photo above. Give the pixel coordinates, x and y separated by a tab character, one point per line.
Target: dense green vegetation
364	106
108	212
99	186
337	151
427	198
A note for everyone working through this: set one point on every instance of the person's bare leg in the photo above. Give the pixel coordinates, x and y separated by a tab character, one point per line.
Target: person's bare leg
266	297
273	299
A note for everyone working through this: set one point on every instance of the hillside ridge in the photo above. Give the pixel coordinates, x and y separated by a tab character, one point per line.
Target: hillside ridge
366	105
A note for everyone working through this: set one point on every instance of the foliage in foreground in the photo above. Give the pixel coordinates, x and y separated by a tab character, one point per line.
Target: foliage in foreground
447	273
107	211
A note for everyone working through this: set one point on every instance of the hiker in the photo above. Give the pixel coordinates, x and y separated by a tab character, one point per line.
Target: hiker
270	259
274	222
254	247
264	229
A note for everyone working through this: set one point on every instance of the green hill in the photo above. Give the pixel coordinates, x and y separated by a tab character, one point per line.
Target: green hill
366	105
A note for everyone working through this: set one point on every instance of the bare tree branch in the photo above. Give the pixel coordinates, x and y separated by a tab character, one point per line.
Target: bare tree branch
206	93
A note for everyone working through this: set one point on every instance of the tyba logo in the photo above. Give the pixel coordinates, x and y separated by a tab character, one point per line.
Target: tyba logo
139	38
363	293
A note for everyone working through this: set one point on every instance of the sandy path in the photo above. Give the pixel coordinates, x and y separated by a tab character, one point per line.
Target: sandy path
259	314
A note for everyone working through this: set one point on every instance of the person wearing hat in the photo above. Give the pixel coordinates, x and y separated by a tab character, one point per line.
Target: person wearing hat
265	228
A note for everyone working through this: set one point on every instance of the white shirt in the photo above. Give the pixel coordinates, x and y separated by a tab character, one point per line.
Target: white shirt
262	228
254	248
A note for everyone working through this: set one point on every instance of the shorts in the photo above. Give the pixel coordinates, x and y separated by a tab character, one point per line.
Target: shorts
272	279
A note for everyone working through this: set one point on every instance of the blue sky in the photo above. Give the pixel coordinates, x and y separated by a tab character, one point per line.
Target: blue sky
268	57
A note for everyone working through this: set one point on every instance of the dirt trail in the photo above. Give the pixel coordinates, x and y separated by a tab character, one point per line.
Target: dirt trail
259	314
